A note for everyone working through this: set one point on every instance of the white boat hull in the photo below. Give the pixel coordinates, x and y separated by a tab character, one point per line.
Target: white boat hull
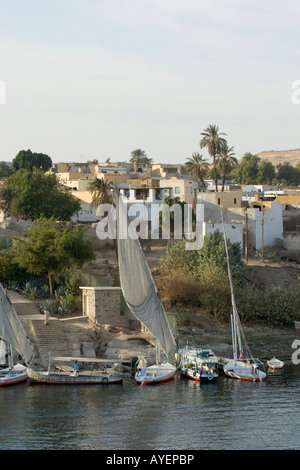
198	364
155	374
198	375
247	372
275	363
13	376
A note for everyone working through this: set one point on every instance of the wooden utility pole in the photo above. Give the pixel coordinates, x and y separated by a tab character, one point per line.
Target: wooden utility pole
246	236
262	232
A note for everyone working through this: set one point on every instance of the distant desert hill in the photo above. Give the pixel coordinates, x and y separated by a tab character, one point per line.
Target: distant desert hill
281	156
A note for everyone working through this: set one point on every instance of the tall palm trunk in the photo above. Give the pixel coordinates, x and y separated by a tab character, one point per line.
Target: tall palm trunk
212	140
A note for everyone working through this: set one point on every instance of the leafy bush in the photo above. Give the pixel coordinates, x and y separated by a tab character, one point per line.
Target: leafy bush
36	289
199	279
277	306
10	272
64	306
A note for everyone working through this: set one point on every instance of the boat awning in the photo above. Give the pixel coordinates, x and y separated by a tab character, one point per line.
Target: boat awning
87	359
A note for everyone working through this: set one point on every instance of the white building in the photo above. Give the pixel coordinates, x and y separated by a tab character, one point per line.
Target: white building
143	203
266	225
263	221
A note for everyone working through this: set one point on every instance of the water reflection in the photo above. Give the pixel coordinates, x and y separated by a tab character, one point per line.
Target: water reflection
180	414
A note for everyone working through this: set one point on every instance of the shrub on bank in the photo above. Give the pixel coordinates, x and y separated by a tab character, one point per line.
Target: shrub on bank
190	278
276	306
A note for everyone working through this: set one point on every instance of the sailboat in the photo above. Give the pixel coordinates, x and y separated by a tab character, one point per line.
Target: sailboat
242	366
16	340
141	296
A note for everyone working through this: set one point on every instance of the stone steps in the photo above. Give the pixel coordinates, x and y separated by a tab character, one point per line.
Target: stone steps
50	339
26	308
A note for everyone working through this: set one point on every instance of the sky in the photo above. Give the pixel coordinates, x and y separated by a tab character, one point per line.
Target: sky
97	79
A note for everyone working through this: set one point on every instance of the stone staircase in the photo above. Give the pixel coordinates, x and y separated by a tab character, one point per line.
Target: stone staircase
47	339
50	339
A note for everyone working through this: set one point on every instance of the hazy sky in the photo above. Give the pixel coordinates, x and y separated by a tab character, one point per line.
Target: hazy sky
89	79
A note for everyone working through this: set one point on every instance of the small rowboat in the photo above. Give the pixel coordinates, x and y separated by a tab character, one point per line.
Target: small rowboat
275	363
14	375
155	374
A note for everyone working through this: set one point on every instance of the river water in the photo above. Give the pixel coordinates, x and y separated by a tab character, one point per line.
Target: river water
177	415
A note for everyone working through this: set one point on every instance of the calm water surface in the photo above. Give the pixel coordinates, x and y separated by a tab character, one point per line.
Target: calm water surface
178	415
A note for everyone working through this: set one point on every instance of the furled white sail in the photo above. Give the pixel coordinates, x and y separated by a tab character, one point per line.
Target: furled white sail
11	328
138	287
2	353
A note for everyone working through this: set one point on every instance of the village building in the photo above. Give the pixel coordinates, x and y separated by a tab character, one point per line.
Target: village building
258	224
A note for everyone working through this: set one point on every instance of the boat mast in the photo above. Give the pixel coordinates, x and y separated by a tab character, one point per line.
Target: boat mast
236	338
10	357
157	352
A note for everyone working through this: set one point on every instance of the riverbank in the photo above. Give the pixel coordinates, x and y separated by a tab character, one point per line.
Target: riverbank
264	342
82	337
200	330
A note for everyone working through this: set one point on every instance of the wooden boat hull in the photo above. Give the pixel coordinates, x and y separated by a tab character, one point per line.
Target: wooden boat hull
60	378
156	374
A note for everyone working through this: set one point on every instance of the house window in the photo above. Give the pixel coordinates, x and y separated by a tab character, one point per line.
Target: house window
219	201
234	200
177	189
106	294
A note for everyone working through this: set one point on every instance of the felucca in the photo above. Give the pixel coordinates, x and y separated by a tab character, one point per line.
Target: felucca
16	340
242	366
141	296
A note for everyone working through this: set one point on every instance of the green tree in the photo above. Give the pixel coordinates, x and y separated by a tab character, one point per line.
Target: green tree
5	171
30	160
197	166
288	174
32	195
48	248
212	140
10	271
171	202
247	169
225	161
266	172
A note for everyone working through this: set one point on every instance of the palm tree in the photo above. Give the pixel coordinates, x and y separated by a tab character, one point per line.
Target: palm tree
197	166
212	140
225	161
101	192
139	156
